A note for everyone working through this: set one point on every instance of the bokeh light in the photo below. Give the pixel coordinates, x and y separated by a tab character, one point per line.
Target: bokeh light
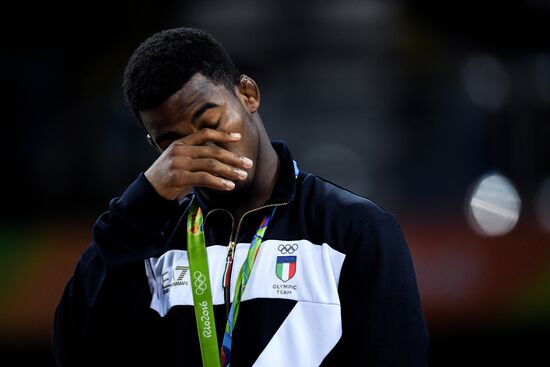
494	206
486	81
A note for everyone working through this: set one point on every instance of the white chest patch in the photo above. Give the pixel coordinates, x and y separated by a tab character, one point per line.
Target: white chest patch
297	270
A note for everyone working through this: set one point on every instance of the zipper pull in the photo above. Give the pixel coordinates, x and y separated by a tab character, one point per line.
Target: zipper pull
232	245
229	265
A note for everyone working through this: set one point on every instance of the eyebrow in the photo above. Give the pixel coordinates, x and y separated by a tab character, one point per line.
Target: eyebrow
202	110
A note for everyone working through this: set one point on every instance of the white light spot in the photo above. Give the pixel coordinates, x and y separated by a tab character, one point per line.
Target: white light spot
486	82
542	204
494	206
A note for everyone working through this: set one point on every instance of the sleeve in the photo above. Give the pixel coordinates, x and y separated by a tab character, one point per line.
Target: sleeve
382	319
102	303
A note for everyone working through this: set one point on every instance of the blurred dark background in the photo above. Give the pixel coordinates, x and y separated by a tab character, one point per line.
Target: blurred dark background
410	103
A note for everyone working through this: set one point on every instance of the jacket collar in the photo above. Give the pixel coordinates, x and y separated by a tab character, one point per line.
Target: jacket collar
284	189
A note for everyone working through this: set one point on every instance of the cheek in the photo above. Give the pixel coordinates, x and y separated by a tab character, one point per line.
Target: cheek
235	122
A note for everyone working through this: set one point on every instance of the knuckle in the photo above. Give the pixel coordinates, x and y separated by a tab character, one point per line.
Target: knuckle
214	151
171	164
211	163
170	177
220	153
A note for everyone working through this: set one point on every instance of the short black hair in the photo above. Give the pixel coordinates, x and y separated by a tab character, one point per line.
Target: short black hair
164	62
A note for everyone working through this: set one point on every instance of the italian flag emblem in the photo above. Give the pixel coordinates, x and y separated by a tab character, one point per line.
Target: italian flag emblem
286	267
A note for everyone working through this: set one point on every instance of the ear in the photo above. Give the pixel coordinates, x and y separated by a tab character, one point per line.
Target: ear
248	92
152	143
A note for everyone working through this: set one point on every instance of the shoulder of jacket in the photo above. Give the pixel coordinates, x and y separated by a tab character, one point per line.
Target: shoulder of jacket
337	199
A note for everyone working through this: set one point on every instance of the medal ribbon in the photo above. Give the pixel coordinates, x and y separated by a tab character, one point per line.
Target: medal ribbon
242	280
200	285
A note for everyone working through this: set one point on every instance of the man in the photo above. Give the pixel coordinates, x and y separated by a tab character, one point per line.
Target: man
223	251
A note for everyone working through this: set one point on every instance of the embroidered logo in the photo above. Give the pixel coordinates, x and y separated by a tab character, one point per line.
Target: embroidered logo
174	278
287	248
286	267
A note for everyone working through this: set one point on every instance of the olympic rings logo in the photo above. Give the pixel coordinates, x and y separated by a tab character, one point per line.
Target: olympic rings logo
288	248
200	285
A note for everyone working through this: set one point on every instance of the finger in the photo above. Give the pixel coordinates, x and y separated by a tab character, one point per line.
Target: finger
205	135
214	167
205	179
209	151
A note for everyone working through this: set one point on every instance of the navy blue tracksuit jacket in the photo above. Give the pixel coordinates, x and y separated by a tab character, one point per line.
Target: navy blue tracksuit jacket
333	283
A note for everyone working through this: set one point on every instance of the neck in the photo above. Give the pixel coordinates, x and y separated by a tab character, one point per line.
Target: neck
265	178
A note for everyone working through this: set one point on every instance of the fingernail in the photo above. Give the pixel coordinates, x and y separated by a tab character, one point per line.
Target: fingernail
228	184
242	174
247	162
235	135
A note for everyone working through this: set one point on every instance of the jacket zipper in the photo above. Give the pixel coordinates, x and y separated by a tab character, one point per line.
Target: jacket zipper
231	249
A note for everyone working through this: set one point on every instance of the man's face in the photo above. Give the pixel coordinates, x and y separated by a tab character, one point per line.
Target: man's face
202	104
